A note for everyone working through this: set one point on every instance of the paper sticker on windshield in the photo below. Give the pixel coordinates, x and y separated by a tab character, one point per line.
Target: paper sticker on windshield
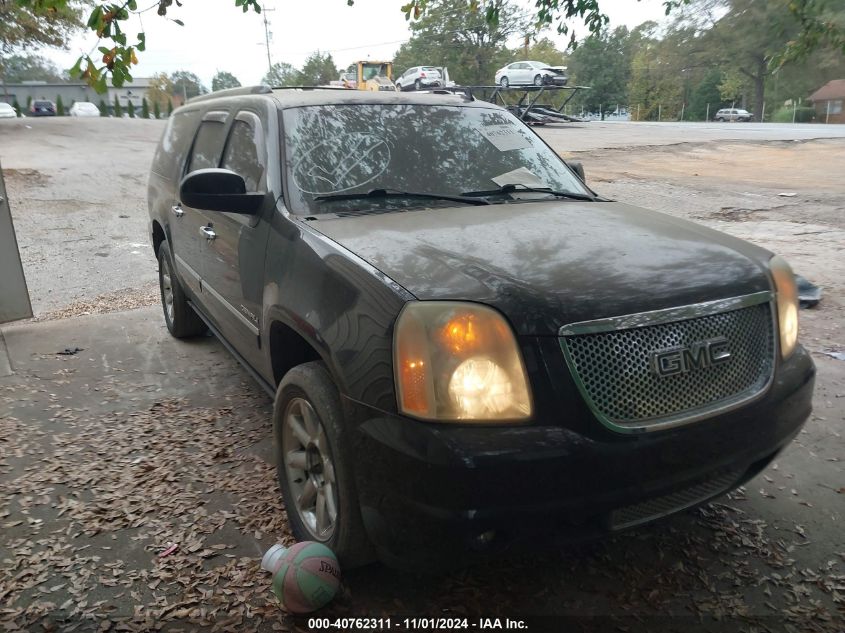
505	137
518	176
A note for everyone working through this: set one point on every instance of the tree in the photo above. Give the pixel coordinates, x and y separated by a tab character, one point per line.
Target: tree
818	25
130	109
450	33
18	68
223	80
186	84
118	111
104	109
319	69
603	62
160	89
145	109
169	107
156	110
544	50
60	106
281	74
16	106
705	94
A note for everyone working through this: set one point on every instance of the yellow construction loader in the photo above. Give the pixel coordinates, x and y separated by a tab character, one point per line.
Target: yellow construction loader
372	75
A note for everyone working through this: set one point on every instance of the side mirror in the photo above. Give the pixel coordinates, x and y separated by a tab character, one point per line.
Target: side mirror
218	190
578	168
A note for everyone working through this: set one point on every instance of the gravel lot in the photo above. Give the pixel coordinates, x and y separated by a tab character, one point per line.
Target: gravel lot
137	441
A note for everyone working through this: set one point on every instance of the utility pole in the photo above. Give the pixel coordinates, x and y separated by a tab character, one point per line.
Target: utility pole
267	38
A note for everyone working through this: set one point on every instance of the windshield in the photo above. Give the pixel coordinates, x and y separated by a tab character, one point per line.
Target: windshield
446	150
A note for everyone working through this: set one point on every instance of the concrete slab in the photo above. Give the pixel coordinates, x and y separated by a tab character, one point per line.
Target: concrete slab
139	441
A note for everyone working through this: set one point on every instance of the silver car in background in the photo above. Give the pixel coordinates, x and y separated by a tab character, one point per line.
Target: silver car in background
420	77
7	111
84	108
531	73
733	114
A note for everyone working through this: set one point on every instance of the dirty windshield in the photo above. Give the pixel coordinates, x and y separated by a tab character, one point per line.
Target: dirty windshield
443	150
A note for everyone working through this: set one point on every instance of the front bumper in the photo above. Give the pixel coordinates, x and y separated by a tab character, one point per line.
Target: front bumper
432	492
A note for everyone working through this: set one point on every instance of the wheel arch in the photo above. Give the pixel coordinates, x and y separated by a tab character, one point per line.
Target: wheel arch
158	235
288	348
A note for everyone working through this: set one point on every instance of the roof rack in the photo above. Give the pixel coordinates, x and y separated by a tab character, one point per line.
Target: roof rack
233	92
310	88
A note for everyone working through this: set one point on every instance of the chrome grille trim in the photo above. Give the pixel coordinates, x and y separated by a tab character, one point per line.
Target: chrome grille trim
609	362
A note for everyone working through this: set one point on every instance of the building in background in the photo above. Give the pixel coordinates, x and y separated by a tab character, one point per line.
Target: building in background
133	92
828	102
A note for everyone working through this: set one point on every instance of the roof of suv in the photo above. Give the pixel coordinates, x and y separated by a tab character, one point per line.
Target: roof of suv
298	97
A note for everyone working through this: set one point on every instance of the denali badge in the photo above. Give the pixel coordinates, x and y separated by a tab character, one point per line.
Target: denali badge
679	360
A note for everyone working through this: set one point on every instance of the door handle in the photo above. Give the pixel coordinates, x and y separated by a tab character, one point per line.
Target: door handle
176	209
207	232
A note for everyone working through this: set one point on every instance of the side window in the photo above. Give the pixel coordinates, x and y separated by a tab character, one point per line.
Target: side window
174	145
208	145
244	153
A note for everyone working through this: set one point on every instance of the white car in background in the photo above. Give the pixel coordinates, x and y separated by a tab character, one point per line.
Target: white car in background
84	108
7	111
531	74
420	77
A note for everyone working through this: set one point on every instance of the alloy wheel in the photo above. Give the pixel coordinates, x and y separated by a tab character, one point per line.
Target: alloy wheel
167	289
309	469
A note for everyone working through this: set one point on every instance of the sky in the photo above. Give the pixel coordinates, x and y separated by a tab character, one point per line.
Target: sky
218	36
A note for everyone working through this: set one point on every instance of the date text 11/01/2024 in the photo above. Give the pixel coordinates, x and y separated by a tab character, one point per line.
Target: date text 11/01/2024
415	624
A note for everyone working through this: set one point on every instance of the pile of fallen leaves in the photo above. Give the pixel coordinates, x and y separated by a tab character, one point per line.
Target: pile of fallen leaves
119	300
157	519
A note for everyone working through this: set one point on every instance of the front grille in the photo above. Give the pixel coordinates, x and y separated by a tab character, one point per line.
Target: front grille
667	504
614	369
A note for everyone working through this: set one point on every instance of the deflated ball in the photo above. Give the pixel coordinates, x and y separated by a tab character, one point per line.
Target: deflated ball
306	576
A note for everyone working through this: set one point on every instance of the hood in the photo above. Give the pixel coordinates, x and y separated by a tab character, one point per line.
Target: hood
548	264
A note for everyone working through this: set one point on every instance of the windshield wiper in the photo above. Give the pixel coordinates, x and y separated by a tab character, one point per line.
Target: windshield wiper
513	188
395	193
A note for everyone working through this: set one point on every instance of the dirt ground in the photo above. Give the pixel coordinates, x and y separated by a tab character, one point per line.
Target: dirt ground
110	454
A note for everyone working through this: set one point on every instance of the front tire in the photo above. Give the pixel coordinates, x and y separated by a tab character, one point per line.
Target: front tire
503	82
315	466
538	80
179	316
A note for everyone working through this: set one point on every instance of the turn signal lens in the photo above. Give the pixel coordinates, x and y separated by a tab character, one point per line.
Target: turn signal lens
458	361
787	302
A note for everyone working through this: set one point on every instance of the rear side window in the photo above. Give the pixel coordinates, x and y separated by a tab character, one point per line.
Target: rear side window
175	143
244	153
208	147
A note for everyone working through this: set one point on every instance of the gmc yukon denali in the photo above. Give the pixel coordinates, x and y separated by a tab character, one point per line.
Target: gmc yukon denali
469	349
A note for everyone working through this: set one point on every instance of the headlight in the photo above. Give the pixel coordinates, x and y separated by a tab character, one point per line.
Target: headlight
458	361
787	301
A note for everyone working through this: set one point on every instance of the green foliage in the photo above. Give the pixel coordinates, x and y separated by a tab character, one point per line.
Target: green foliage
603	62
318	70
16	106
118	111
130	109
19	68
281	74
156	110
145	109
543	50
817	24
454	34
104	109
28	102
223	80
186	84
803	114
169	107
705	92
60	106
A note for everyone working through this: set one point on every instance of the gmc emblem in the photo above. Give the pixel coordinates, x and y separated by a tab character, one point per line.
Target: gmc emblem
698	355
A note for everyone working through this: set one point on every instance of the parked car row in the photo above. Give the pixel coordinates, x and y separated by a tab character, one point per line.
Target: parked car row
43	107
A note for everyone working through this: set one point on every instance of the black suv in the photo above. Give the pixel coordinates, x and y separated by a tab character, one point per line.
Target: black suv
468	348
